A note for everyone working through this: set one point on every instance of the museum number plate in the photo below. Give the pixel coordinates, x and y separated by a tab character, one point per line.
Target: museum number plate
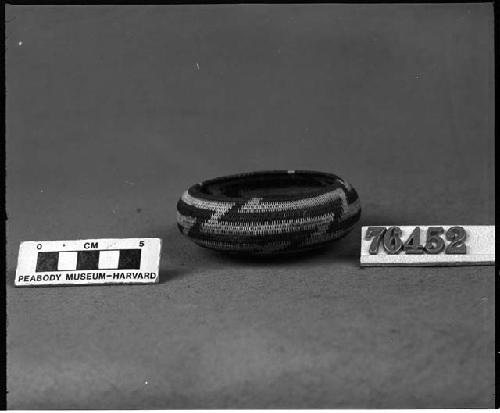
88	262
428	245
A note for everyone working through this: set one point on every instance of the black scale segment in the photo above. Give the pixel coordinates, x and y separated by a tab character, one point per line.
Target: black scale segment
87	260
47	261
129	259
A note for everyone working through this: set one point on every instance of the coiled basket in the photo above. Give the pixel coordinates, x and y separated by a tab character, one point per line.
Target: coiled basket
268	212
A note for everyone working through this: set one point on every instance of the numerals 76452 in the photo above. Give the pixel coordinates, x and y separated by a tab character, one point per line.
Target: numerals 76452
391	240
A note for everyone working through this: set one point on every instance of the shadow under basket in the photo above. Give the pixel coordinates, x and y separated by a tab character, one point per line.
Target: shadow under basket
268	212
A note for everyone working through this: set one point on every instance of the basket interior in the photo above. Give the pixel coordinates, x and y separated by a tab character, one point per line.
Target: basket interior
268	185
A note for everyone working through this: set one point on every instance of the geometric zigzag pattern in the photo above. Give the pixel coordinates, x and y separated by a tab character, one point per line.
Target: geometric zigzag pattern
267	224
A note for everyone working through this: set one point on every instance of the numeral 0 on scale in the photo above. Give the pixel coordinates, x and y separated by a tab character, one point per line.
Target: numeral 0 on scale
434	244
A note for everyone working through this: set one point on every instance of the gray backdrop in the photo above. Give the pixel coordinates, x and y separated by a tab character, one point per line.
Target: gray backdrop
113	111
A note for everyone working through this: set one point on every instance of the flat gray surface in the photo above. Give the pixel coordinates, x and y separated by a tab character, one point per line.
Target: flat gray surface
113	111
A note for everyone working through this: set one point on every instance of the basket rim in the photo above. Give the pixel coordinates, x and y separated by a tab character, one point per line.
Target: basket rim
197	190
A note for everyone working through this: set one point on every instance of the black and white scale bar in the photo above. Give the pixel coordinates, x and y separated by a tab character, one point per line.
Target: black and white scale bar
95	261
129	259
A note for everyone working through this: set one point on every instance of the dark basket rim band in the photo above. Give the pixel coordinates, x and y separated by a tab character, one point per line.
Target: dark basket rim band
334	182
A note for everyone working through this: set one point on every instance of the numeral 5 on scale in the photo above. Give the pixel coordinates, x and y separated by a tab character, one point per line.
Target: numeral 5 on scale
392	243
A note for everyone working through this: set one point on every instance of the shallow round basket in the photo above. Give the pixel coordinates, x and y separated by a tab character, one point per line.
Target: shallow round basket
268	212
